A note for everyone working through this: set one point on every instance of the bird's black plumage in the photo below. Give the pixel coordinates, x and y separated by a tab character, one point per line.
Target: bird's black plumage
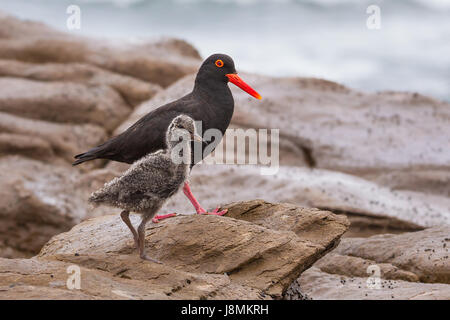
210	102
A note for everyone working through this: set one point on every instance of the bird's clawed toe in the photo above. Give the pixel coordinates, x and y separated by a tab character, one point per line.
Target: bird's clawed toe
215	212
157	219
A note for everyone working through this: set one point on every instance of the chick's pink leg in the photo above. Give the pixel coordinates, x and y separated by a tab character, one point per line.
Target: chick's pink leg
187	191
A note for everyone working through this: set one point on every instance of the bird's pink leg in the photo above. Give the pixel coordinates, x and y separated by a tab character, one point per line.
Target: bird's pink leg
157	219
187	191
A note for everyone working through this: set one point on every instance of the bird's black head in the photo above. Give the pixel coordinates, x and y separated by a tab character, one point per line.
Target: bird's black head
219	68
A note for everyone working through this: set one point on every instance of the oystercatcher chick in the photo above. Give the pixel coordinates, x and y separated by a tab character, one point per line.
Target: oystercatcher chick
153	179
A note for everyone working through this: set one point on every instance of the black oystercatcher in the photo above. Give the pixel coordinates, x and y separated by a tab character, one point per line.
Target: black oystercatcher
210	102
151	180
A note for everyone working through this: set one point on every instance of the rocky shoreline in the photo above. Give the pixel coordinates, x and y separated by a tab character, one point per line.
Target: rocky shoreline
368	168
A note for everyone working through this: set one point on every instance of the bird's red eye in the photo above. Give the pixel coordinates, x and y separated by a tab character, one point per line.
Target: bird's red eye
219	63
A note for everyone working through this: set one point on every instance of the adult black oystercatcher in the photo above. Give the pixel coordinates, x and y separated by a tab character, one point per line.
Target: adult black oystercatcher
210	102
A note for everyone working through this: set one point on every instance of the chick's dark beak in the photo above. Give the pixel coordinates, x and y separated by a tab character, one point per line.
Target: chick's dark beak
196	137
236	80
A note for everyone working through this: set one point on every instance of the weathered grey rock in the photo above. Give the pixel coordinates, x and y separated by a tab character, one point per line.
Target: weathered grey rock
42	139
428	181
318	226
131	89
424	253
28	146
63	102
351	266
317	285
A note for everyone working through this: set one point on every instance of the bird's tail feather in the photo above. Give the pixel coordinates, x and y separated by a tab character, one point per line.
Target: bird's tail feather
81	160
92	154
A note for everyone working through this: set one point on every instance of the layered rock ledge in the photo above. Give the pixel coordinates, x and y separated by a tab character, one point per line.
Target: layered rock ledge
254	253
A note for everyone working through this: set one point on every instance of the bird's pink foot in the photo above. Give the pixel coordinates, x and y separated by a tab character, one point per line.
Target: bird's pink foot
187	191
215	212
157	219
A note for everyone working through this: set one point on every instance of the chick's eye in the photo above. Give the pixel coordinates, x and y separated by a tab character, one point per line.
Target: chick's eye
219	63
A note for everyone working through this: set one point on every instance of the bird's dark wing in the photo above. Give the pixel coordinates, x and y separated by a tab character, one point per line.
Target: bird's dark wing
145	136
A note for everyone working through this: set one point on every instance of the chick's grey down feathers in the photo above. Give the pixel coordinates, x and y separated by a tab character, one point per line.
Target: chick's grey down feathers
145	185
150	181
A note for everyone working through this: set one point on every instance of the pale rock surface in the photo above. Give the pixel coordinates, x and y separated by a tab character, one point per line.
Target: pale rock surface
42	139
317	285
424	253
62	102
131	89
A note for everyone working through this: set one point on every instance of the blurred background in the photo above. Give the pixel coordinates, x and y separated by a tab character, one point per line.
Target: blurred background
314	38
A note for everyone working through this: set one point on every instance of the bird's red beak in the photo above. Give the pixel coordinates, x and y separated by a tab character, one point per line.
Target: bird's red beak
235	79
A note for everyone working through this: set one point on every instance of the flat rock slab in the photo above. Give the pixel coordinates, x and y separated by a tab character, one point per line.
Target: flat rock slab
133	90
351	266
251	259
424	253
44	140
315	284
318	226
63	102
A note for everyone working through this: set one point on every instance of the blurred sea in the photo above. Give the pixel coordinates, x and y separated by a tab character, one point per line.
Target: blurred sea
317	38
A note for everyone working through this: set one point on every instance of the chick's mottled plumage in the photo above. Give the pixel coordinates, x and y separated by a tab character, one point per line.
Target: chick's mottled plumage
145	186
